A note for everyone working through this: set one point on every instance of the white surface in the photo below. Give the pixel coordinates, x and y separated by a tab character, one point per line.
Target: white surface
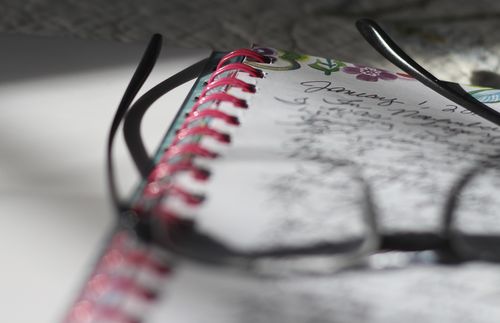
57	98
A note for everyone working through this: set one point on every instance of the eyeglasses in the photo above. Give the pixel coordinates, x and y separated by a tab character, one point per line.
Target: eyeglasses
365	246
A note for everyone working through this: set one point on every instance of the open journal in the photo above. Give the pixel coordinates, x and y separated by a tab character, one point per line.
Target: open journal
308	159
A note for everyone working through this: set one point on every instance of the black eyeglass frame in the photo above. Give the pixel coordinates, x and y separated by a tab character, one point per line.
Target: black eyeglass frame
183	239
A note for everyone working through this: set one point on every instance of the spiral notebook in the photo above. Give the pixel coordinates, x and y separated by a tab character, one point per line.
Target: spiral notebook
277	154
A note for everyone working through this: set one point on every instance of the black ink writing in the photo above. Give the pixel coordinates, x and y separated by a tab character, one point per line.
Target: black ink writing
317	86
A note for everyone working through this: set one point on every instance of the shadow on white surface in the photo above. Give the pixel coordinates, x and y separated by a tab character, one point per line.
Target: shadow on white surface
57	99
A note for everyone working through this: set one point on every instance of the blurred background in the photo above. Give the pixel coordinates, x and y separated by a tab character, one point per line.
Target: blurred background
57	201
452	38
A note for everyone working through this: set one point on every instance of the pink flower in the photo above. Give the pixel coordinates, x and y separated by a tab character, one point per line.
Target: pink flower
370	74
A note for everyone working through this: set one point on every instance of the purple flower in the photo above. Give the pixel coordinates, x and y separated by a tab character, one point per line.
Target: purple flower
370	74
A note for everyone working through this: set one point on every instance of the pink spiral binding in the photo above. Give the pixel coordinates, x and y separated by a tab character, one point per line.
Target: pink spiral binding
219	97
235	67
211	113
156	189
187	150
245	52
124	253
185	147
163	169
201	131
97	302
228	82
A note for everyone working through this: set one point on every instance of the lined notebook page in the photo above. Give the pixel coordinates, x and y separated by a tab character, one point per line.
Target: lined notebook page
311	135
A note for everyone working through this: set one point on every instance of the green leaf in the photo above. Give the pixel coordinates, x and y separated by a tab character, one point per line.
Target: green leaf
291	56
328	66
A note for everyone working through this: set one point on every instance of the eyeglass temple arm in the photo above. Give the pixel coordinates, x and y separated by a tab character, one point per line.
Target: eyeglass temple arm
379	40
141	73
133	120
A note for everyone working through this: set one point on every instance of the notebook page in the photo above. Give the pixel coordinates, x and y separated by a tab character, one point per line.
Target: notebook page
310	135
290	177
434	294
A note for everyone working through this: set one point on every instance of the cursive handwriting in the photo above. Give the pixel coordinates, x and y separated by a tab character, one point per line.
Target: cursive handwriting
418	149
318	86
